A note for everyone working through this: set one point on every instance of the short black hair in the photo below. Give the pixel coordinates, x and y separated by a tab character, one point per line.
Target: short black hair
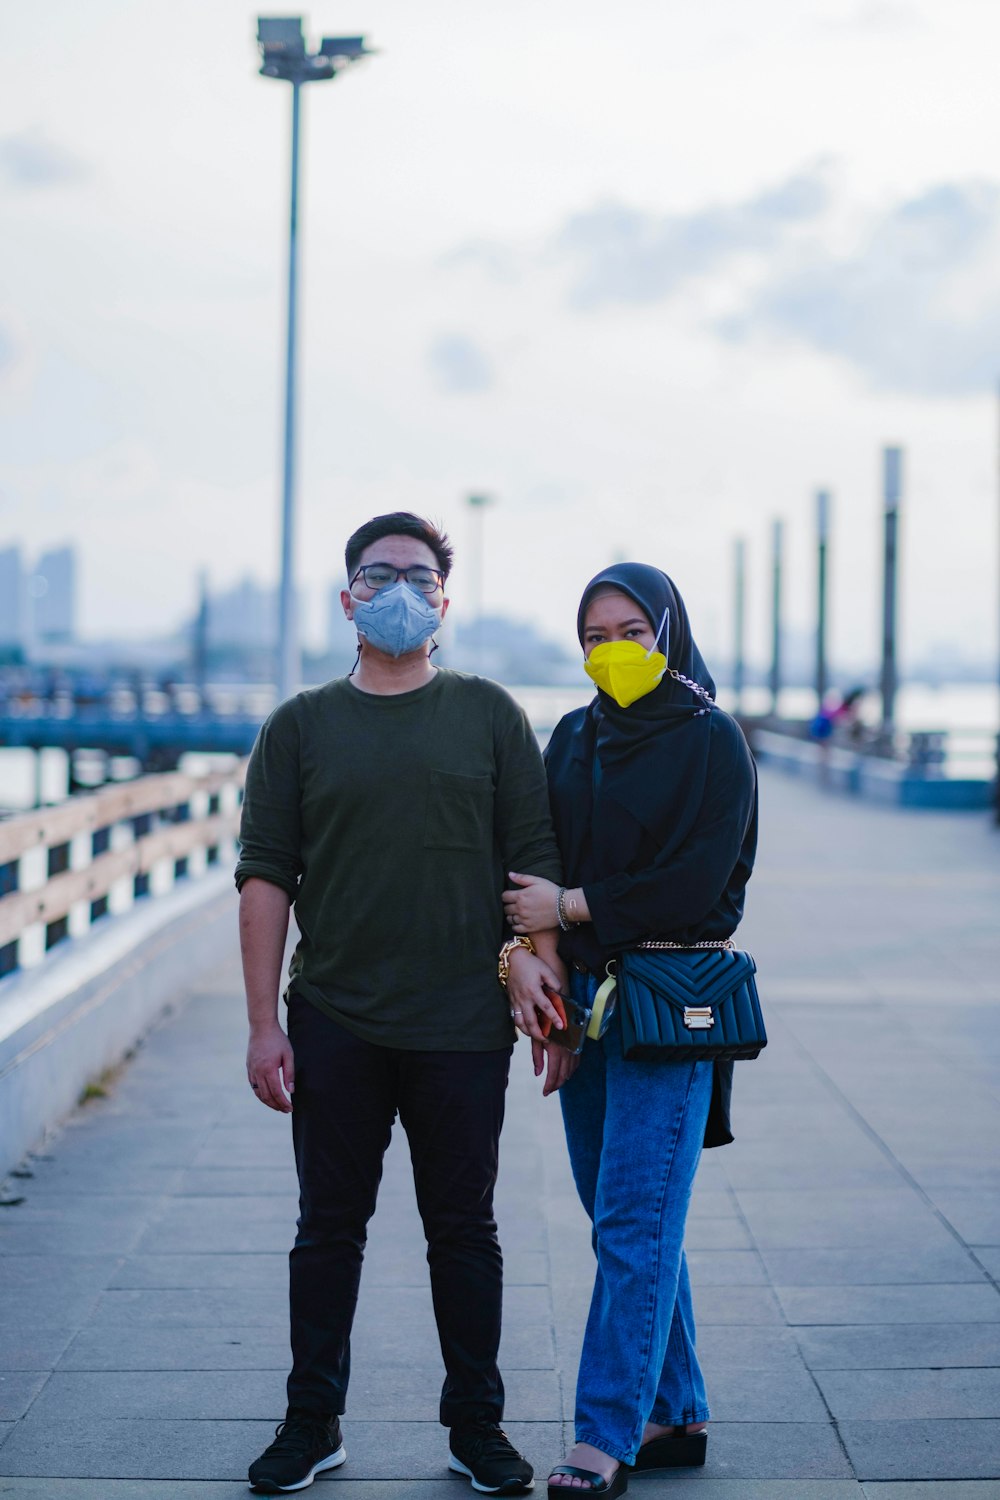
399	523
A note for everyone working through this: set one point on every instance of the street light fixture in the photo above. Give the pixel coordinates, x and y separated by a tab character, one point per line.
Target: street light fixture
285	57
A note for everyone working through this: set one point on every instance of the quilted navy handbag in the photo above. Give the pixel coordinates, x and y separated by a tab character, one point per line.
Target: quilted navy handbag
689	1004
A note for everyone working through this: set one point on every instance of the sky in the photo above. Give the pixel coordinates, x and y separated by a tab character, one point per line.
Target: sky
647	275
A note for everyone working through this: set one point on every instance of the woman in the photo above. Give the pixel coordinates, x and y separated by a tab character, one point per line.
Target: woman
654	798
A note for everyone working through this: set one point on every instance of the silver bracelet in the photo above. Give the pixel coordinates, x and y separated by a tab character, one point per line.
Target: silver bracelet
564	921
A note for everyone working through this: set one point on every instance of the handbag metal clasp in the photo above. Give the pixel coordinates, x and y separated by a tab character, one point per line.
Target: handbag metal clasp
699	1017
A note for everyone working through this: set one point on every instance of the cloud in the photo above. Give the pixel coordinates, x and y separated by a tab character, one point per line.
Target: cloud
913	303
18	357
29	160
878	17
8	350
915	308
498	261
908	294
622	255
459	365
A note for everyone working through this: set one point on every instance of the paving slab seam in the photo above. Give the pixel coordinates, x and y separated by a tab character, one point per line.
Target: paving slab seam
48	1376
886	1150
816	1385
742	1218
566	1407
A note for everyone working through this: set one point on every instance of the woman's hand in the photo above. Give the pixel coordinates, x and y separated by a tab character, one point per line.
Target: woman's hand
526	977
561	1064
534	907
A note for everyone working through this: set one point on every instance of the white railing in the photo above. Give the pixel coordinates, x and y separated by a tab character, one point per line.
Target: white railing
66	867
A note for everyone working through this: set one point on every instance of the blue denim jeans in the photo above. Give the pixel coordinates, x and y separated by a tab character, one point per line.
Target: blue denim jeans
635	1133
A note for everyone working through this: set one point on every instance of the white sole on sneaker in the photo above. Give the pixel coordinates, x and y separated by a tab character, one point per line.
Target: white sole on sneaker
457	1467
333	1462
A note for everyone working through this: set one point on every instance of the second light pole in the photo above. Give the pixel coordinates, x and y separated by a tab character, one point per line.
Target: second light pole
822	544
477	505
892	488
284	56
774	677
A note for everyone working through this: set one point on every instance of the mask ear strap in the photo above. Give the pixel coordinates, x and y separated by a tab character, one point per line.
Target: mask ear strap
664	621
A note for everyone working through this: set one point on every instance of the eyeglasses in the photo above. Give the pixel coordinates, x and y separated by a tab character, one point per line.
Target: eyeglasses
379	575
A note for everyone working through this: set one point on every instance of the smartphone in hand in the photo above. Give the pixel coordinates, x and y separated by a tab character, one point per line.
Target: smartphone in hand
575	1019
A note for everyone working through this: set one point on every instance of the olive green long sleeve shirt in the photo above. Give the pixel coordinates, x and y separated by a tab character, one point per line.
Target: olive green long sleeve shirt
391	822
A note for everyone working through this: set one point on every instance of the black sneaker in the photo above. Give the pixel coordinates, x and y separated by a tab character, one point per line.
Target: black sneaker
484	1452
304	1444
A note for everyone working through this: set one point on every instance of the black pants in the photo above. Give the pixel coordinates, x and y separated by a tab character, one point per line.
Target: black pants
451	1104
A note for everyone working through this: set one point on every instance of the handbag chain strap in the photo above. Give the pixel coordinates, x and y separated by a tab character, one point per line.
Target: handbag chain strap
708	943
695	687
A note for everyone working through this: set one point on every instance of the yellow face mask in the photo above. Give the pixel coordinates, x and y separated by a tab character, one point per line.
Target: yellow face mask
624	671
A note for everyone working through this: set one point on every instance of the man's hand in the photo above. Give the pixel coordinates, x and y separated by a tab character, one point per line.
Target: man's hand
269	1061
526	976
561	1064
263	925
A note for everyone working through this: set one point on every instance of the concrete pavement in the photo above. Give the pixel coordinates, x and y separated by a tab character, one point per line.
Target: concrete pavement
845	1251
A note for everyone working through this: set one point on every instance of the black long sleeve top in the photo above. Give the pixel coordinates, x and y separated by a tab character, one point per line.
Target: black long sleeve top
690	894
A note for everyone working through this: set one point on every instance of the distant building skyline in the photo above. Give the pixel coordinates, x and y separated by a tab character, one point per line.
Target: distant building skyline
244	615
39	613
38	605
52	594
12	597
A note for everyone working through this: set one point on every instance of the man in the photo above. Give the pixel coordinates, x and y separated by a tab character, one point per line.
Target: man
388	806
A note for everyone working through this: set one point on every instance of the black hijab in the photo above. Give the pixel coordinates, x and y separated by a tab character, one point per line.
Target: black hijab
652	757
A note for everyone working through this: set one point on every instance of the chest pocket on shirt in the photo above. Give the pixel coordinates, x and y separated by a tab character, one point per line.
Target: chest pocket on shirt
459	811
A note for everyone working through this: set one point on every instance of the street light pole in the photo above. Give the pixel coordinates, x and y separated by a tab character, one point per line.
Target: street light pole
739	621
777	547
996	788
478	504
200	640
822	542
289	655
284	56
892	485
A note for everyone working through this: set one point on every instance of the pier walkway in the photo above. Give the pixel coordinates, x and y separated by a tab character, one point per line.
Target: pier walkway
845	1251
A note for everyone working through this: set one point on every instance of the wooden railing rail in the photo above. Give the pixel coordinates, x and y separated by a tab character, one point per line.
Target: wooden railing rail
56	825
63	868
59	895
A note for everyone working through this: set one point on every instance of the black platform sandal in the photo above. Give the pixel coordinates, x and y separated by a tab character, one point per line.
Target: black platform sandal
684	1450
616	1485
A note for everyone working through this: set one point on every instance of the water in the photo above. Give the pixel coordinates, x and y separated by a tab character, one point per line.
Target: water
962	706
970	712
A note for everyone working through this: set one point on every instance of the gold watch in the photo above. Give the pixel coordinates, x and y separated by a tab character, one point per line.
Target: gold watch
503	962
